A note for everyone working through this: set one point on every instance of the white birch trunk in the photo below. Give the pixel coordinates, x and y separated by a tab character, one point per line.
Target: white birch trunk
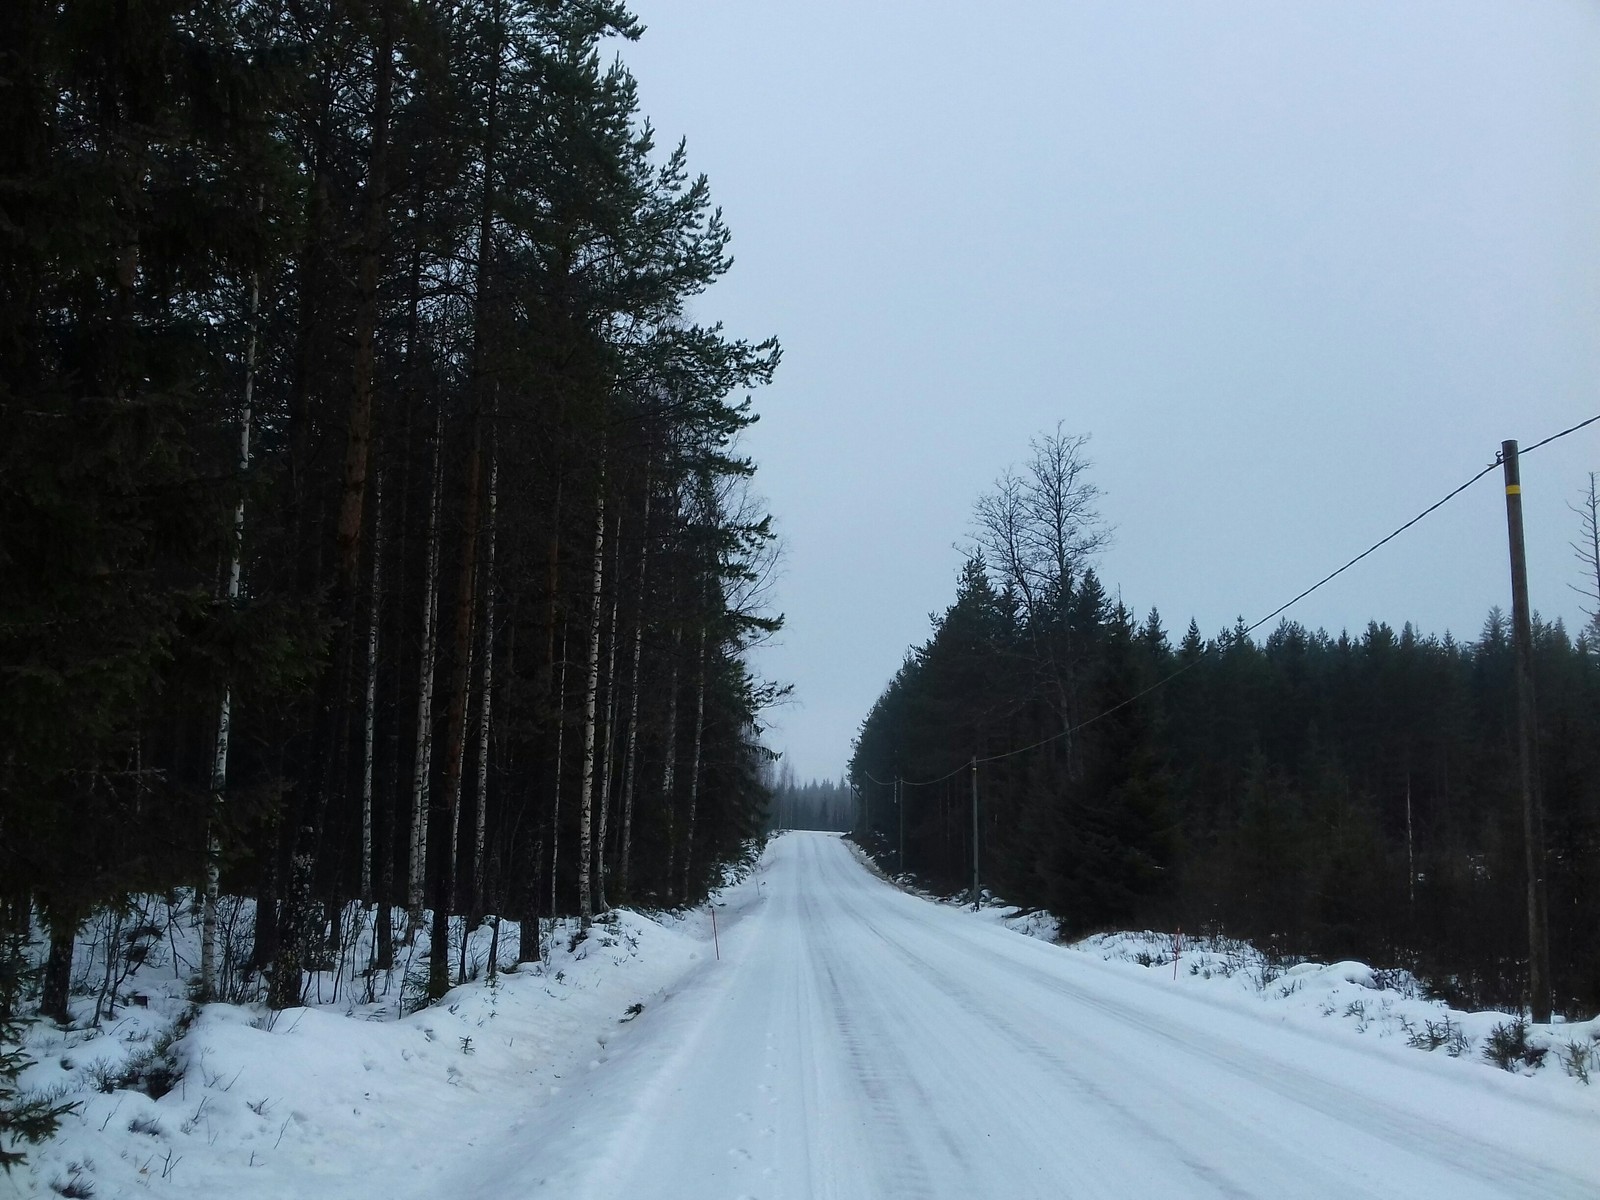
555	804
219	757
604	786
590	691
485	697
633	708
453	815
372	693
423	763
694	762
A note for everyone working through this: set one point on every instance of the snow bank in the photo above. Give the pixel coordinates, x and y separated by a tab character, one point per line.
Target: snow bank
1387	1007
347	1098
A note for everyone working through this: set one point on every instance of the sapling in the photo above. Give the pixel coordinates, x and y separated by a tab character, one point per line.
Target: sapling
1508	1047
1575	1058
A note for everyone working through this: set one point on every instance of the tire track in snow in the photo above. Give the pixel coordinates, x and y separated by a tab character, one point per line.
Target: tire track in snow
1443	1150
981	1007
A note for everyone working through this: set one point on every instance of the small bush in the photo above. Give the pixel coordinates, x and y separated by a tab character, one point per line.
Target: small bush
1509	1049
75	1186
102	1075
1436	1034
155	1071
25	1118
1575	1058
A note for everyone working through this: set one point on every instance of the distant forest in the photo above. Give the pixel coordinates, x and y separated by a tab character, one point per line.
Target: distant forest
818	804
373	529
1331	796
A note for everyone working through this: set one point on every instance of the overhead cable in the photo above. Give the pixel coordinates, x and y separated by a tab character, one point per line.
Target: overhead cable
1210	646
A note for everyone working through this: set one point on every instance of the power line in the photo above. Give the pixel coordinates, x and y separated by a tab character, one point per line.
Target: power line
1562	434
1335	574
1210	646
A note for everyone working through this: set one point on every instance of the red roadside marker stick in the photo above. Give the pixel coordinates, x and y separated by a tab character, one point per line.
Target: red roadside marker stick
717	944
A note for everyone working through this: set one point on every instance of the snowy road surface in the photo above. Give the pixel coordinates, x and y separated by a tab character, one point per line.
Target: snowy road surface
856	1041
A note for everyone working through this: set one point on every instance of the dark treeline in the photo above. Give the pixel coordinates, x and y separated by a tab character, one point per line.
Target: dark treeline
371	523
1349	796
816	804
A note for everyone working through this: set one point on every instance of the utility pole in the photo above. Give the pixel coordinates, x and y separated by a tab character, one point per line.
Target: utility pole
900	806
977	896
1411	857
1532	819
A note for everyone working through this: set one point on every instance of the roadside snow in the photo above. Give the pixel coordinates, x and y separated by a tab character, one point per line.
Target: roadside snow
1351	1000
827	980
342	1099
1391	1007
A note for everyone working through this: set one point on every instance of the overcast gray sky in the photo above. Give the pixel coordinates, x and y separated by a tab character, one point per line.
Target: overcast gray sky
1298	267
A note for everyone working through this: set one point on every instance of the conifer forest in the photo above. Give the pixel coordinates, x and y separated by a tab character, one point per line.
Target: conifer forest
372	522
1333	796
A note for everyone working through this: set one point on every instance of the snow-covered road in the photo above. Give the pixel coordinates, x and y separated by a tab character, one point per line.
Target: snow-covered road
856	1041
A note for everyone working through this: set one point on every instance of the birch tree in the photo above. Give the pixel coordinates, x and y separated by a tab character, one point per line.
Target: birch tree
422	760
590	689
219	756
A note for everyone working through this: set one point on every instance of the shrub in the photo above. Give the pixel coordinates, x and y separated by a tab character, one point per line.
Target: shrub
155	1071
25	1119
1575	1058
1509	1049
1435	1034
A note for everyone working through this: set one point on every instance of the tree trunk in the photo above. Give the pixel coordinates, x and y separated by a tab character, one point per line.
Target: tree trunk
422	772
358	442
219	756
694	762
466	594
485	700
555	801
456	723
630	759
669	764
590	689
603	787
56	985
384	933
371	703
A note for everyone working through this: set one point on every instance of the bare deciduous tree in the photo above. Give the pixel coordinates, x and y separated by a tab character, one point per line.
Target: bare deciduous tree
1038	525
1587	548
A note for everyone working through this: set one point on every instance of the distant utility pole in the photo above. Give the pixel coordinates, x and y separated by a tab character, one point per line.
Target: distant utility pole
900	807
977	901
1532	819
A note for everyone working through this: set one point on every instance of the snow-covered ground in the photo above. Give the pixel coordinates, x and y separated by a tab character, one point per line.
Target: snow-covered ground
346	1098
851	1041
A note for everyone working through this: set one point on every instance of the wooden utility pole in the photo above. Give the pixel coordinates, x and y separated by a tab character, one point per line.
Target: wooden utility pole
977	896
1411	857
1532	819
900	808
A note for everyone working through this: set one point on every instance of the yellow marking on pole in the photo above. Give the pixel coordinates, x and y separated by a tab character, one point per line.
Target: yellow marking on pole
1513	489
